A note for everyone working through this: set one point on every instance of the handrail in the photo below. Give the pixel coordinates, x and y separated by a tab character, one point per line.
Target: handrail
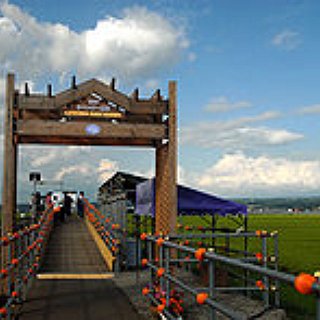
23	252
105	228
160	266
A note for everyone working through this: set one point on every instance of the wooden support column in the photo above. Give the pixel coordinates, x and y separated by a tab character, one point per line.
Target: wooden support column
10	162
166	172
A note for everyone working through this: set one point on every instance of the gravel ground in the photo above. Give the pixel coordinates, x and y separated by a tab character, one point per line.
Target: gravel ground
132	283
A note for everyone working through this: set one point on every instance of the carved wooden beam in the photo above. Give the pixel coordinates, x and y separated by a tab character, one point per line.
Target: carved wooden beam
84	129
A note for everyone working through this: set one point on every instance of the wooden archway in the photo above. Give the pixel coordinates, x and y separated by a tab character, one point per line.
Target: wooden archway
93	113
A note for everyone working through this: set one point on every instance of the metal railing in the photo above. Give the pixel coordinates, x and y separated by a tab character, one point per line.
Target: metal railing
22	251
106	230
262	255
161	256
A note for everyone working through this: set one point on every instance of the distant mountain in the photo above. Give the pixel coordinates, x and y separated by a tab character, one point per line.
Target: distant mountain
282	203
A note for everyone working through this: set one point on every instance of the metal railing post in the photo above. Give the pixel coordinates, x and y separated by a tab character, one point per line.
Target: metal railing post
161	265
276	267
212	285
149	250
265	278
10	275
167	268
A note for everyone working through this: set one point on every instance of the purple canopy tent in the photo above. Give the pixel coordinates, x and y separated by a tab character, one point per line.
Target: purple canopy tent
190	202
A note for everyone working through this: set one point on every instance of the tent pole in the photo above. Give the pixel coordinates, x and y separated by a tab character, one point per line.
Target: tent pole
245	239
213	225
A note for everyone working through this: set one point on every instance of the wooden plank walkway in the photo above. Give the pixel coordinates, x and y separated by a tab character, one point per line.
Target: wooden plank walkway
72	253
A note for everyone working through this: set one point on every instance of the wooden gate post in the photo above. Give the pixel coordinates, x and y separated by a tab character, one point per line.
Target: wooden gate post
166	172
9	163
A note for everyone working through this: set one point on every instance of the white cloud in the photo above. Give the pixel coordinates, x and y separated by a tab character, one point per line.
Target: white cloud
75	170
313	109
152	84
45	158
192	57
240	175
237	133
107	168
222	104
287	40
136	44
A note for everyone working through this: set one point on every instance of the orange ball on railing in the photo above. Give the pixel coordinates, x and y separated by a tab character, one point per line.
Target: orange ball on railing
115	226
160	272
160	307
5	241
201	297
143	236
259	256
199	254
260	284
261	233
16	235
4	273
160	242
144	262
3	312
15	262
303	283
145	291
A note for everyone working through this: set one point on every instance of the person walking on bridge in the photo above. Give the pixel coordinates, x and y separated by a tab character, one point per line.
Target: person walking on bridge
67	204
80	204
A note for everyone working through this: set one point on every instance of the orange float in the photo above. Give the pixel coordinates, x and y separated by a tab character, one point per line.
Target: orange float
4	273
15	262
5	241
260	284
199	254
201	297
303	283
160	307
143	236
160	242
3	312
145	291
259	256
160	272
144	262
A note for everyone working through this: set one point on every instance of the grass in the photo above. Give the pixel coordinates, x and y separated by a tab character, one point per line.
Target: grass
299	239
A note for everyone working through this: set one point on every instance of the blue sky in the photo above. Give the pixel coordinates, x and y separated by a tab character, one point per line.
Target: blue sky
248	80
